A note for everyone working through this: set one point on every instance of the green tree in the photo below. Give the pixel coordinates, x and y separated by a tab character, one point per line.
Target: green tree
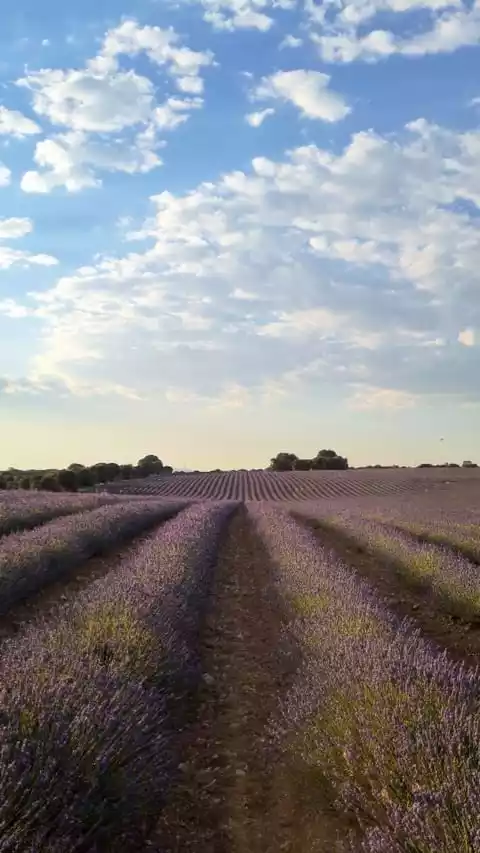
76	466
101	472
303	464
150	459
327	460
67	479
49	483
86	478
148	465
113	471
3	483
25	483
283	462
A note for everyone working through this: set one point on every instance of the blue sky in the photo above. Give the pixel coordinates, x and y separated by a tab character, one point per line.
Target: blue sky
233	227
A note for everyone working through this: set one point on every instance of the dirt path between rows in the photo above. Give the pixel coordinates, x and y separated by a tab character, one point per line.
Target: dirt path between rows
459	638
234	795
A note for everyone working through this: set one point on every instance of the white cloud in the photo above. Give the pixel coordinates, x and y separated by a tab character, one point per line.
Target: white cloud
72	160
450	31
290	41
369	397
12	309
231	396
15	227
84	101
237	14
247	295
247	20
13	123
231	15
467	337
175	111
5	175
323	324
256	119
307	90
190	85
356	264
102	99
162	46
9	257
300	323
339	29
362	252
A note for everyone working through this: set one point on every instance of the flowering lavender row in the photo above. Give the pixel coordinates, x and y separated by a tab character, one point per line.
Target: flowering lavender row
454	579
23	512
386	726
30	560
454	502
462	537
91	709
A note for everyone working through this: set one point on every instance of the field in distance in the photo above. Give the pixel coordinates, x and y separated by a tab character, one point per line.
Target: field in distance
297	485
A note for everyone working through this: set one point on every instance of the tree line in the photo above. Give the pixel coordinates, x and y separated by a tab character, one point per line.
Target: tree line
79	477
325	460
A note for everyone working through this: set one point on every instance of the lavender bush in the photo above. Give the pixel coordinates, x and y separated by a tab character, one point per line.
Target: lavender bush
462	537
20	511
32	559
387	727
454	579
92	708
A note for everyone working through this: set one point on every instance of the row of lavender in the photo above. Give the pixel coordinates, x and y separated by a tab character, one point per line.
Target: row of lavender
92	703
450	518
35	558
384	724
455	527
20	510
441	555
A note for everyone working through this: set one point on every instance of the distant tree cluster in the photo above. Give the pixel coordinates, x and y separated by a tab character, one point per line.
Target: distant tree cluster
79	477
466	464
325	460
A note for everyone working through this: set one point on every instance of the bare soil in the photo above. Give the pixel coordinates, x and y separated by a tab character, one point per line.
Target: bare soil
237	794
461	639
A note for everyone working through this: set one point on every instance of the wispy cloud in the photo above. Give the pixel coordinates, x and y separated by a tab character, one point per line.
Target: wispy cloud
257	118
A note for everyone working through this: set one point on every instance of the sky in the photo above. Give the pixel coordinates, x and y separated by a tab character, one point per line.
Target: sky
230	228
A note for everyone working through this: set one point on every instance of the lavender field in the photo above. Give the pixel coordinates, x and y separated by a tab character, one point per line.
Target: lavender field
296	485
258	662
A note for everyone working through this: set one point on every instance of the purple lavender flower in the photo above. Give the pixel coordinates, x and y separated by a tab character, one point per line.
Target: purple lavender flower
34	558
379	717
23	511
454	579
88	739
